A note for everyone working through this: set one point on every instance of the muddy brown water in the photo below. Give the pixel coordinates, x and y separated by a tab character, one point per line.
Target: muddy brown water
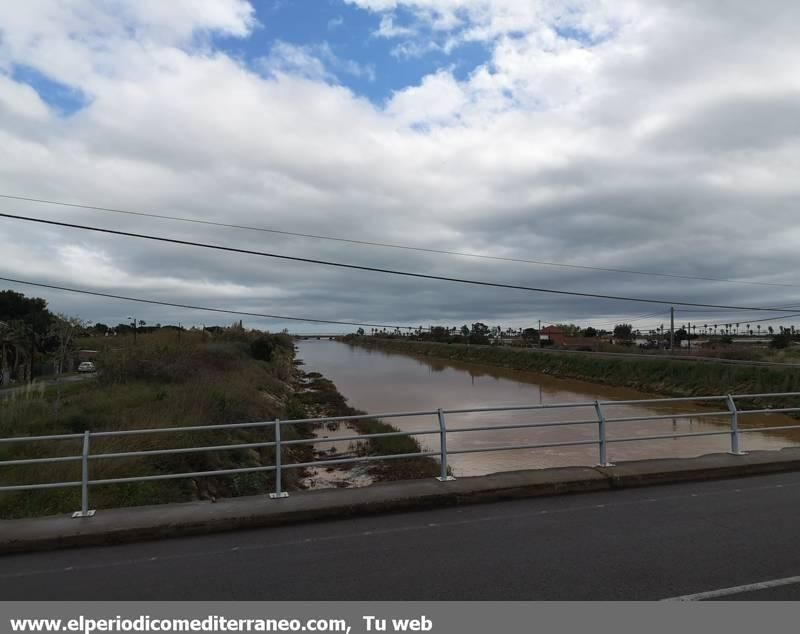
379	381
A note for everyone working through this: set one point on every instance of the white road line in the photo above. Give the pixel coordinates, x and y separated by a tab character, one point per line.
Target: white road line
726	592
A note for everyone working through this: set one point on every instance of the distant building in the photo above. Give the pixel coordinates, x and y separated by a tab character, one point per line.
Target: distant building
560	339
554	334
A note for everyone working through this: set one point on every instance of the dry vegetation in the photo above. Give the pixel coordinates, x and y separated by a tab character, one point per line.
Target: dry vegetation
159	382
165	381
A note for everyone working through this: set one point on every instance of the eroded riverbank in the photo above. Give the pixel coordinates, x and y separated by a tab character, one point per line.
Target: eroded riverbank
318	397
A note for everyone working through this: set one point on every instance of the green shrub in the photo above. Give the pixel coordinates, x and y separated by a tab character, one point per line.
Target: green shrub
262	348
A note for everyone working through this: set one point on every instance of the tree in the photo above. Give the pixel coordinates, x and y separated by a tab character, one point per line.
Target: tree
12	349
623	331
27	323
479	334
360	332
64	329
100	328
570	330
531	334
465	330
590	332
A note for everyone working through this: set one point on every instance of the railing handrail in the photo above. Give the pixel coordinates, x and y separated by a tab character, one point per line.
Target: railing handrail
602	420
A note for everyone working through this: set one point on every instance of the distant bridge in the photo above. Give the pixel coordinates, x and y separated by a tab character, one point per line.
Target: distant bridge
316	335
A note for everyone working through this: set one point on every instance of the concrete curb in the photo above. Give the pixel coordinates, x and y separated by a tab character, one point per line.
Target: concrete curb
117	526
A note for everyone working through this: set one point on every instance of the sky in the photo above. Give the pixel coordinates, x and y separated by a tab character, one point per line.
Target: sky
649	135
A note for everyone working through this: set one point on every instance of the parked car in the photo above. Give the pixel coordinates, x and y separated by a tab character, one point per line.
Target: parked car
87	366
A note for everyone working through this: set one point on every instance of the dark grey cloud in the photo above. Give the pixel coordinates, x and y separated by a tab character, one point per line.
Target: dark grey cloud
669	144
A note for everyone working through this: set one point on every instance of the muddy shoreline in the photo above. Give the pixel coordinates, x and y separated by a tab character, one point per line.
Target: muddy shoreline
317	397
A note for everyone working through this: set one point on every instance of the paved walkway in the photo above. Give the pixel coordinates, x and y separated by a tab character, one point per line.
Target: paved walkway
116	526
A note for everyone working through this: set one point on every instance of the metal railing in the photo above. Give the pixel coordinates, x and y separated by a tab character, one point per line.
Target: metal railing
600	418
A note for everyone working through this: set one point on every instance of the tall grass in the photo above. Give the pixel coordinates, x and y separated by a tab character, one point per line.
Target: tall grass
159	382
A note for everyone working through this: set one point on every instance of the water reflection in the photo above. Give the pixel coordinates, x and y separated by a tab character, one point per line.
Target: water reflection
379	381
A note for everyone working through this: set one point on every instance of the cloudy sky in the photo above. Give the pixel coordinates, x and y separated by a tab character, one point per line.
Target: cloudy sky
650	135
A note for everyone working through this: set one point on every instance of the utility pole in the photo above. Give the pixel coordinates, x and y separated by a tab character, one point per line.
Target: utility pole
689	337
672	330
134	329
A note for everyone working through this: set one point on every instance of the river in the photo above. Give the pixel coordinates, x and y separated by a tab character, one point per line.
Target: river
377	381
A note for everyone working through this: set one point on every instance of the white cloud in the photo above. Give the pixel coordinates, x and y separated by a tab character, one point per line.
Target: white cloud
488	19
315	62
389	29
652	135
76	42
296	60
439	99
20	100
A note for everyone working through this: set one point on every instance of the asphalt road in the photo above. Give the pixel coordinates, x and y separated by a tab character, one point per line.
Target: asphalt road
645	544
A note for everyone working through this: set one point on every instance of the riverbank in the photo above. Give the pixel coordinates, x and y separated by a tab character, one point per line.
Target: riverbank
234	376
657	376
320	398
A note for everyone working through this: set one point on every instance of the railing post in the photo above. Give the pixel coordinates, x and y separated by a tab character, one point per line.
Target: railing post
279	492
84	512
601	421
734	428
444	477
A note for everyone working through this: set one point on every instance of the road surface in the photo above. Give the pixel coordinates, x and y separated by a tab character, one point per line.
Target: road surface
63	380
713	539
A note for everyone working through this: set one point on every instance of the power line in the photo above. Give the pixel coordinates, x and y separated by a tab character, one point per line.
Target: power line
629	319
373	269
709	312
203	308
752	321
395	246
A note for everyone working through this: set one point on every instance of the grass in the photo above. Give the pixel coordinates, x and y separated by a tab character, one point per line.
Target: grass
159	382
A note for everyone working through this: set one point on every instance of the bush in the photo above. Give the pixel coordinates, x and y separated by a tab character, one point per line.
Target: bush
265	347
262	349
781	341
